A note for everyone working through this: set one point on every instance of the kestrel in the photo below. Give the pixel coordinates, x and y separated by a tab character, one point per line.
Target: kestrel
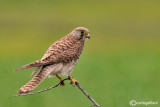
60	58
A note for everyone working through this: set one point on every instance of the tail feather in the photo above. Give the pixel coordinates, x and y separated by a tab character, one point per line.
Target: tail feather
34	82
37	68
33	64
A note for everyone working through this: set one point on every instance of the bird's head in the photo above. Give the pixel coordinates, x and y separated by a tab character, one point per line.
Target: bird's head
81	33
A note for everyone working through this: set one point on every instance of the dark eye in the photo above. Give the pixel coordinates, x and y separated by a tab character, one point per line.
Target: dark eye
82	32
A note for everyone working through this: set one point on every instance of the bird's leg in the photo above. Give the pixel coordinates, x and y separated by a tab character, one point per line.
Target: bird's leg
60	80
73	80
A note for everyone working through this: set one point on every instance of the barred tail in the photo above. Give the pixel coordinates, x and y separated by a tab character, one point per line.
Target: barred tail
34	82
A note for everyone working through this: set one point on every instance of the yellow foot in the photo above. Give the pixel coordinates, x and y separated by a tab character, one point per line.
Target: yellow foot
73	81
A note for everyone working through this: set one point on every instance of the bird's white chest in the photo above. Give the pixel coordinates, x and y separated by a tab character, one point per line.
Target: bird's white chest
61	68
67	68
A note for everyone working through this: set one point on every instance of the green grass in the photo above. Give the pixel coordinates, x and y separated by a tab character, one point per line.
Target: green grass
111	79
119	63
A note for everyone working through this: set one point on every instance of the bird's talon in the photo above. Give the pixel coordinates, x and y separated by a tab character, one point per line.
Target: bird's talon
73	81
60	80
62	83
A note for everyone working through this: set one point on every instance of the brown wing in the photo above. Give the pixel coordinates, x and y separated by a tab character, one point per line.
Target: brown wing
37	63
64	50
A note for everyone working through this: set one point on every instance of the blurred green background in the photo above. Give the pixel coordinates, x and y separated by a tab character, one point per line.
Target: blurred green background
119	63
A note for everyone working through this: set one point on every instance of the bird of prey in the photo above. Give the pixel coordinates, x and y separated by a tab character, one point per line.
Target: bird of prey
60	58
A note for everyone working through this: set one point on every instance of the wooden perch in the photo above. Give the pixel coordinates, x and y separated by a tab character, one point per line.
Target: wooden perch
77	84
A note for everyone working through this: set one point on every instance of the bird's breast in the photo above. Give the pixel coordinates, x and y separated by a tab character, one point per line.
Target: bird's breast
67	68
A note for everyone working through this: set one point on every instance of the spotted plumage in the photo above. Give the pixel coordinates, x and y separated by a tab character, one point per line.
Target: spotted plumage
60	58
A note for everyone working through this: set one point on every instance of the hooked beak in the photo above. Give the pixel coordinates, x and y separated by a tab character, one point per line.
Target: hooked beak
88	36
